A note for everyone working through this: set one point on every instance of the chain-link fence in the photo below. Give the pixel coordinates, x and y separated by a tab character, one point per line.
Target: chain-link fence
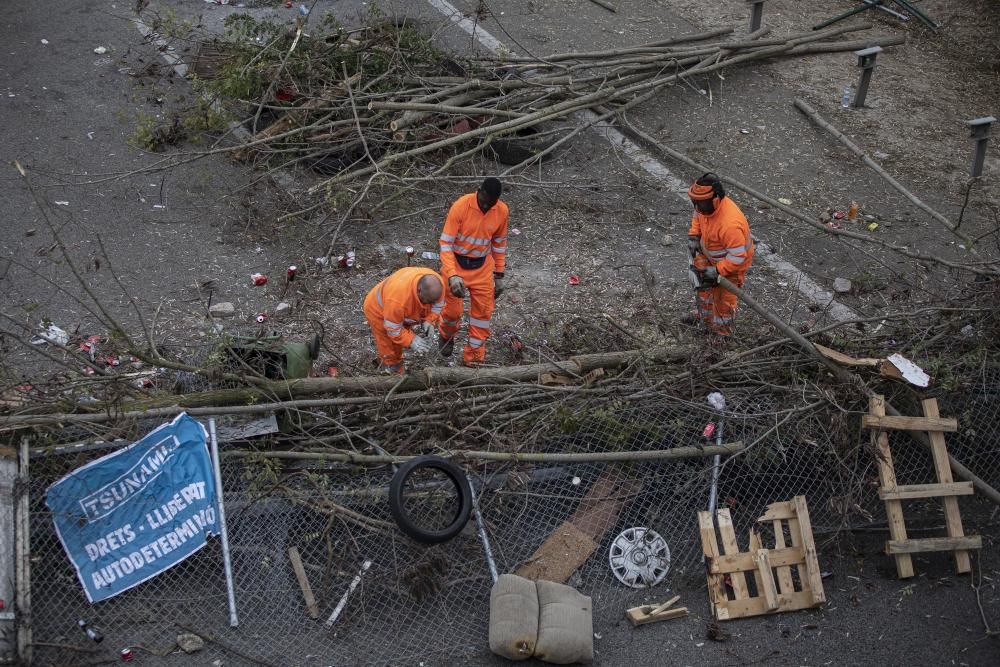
425	602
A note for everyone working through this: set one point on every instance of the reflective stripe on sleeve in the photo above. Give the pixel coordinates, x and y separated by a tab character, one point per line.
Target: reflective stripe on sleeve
483	324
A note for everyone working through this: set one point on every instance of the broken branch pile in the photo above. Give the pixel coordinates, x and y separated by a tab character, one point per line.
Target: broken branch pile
359	104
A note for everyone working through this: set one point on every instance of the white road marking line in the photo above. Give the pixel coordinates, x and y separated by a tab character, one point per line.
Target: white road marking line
806	285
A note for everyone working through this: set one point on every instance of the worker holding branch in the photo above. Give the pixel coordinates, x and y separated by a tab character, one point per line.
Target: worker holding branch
720	244
473	258
402	311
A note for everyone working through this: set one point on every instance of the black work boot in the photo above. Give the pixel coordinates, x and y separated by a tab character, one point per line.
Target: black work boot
446	347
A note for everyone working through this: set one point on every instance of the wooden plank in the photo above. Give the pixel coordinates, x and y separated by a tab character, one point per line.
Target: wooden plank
933	544
914	491
758	606
666	605
755	546
641	615
845	360
809	547
891	423
8	547
782	510
730	546
744	562
785	583
300	573
887	478
559	556
765	576
942	465
710	547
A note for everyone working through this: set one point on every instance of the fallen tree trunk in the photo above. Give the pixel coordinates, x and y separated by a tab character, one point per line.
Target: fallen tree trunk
724	449
277	395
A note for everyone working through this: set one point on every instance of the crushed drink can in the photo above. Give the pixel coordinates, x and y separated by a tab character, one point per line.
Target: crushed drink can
261	318
258	279
292	272
410	251
350	259
709	430
127	654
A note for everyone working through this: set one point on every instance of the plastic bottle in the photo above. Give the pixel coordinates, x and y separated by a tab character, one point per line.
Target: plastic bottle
93	634
852	212
845	99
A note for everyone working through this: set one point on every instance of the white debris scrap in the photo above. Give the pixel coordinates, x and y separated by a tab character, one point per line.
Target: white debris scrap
51	334
911	372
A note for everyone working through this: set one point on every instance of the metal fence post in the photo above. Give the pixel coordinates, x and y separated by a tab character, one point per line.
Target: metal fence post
980	128
230	593
756	14
866	61
23	563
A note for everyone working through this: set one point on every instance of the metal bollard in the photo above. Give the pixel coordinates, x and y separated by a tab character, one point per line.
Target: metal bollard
756	14
866	61
980	128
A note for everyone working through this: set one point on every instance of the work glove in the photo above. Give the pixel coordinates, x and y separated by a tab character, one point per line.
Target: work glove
420	345
497	286
457	285
710	276
424	329
694	245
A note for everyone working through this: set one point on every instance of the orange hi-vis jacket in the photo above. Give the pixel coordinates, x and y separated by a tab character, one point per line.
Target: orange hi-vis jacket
469	232
725	238
396	303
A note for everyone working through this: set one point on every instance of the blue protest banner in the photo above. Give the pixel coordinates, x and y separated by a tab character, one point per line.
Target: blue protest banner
128	516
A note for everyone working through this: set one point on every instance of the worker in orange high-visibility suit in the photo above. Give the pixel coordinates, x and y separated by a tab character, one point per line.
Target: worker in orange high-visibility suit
720	244
474	258
402	311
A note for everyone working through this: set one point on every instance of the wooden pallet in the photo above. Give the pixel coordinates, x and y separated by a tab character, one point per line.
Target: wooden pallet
946	487
762	580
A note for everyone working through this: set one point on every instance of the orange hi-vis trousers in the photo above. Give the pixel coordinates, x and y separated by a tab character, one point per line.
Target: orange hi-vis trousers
479	282
717	305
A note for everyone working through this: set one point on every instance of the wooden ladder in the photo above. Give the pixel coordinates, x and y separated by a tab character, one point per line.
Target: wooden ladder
946	488
769	570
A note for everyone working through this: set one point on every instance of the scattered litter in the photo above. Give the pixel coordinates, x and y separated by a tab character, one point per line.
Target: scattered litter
350	589
222	309
574	280
911	372
261	318
968	331
282	309
31	232
785	200
839	215
879	155
708	431
62	203
90	135
322	261
291	272
410	252
826	574
429	255
333	372
744	131
834	225
717	401
126	654
666	240
258	279
872	226
576	481
347	261
515	231
45	41
598	635
649	613
842	286
101	50
158	206
51	334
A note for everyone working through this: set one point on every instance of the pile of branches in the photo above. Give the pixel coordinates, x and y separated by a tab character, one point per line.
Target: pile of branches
382	101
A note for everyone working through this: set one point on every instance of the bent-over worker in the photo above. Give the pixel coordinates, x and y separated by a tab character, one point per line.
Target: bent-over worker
720	244
401	311
473	257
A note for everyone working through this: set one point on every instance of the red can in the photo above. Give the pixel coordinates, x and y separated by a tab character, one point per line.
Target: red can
292	272
261	318
709	430
258	279
127	654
